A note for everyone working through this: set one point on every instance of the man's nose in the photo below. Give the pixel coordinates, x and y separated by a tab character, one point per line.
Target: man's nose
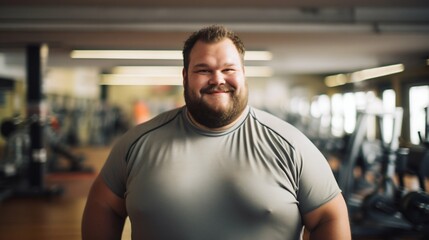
217	78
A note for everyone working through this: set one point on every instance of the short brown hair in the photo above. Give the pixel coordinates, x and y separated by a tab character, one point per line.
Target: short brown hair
211	34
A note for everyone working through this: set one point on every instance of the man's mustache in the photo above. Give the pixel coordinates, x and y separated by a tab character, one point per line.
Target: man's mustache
218	88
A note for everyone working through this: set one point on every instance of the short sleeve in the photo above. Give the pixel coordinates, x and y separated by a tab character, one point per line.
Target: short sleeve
114	171
317	184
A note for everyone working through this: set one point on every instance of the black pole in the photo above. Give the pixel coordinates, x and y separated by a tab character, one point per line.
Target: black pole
37	152
103	93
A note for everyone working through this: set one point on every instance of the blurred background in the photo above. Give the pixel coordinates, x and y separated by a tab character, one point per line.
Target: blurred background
352	75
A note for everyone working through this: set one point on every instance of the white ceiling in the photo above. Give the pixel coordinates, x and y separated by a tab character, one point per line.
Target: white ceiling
306	37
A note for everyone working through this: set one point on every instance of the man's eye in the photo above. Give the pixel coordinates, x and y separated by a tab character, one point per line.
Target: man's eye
203	71
229	70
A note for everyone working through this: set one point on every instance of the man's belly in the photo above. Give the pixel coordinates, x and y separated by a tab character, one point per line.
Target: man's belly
206	201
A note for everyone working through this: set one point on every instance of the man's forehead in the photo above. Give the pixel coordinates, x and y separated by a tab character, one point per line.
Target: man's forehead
202	44
203	51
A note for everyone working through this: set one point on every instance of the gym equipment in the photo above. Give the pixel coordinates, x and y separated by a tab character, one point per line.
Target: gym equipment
17	134
388	210
99	122
415	207
17	175
422	168
17	149
22	169
56	148
383	153
346	178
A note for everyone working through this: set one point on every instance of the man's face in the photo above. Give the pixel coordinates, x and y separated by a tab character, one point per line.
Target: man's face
215	86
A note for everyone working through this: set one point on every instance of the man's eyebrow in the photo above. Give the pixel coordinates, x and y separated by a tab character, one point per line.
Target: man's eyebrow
230	65
201	65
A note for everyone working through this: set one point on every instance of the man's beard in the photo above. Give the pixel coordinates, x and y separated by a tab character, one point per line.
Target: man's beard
211	117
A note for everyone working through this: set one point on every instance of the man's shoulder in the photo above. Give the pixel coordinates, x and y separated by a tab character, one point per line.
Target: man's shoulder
277	125
268	119
155	123
162	118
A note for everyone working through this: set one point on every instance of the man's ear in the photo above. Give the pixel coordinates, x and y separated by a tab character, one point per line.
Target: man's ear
184	76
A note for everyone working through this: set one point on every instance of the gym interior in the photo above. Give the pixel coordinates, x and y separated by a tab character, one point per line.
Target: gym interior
353	77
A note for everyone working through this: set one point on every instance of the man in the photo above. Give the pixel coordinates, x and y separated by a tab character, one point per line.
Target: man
215	168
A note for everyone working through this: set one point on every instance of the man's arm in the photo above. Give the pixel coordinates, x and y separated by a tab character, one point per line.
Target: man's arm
104	215
329	222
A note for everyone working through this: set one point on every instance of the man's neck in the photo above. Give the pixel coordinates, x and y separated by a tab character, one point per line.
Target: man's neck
219	129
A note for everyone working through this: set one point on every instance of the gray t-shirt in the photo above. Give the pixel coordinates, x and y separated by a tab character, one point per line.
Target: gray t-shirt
253	181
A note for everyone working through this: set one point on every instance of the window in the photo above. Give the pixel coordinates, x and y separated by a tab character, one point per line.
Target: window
389	105
372	105
419	99
345	108
349	112
337	128
320	110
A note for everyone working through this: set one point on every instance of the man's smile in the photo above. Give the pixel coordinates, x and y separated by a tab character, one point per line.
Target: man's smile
217	89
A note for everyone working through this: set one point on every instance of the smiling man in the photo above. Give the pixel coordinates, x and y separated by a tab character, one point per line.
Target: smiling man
216	168
217	93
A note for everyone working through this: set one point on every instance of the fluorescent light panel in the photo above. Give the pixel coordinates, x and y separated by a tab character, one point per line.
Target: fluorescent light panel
121	79
153	54
149	71
174	71
376	72
163	75
258	56
336	80
126	54
341	79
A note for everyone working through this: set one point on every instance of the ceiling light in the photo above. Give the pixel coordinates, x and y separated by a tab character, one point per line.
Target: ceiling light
126	54
336	80
153	54
149	71
341	79
135	79
258	56
376	72
163	75
174	71
258	71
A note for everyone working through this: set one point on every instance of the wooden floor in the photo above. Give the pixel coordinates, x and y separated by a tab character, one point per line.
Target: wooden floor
57	217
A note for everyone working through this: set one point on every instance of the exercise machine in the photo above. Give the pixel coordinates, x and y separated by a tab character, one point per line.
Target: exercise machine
22	169
17	174
385	209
